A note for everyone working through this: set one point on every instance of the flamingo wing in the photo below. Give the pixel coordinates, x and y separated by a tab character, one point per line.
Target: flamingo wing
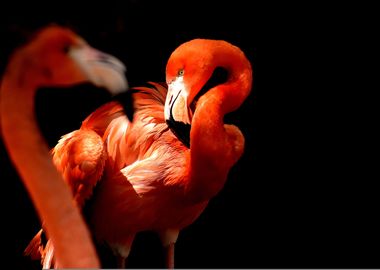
80	157
128	141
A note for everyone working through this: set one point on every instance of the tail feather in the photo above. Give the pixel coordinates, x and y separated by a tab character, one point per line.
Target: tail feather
48	258
40	249
35	247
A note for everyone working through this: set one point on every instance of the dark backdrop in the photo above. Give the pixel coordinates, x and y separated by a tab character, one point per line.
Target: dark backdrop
297	198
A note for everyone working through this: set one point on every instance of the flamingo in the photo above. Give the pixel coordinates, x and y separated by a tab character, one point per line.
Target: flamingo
161	169
55	56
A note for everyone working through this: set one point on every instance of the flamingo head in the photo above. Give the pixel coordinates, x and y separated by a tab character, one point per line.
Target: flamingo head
192	70
56	56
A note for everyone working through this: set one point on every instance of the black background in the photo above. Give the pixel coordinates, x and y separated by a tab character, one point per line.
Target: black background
298	198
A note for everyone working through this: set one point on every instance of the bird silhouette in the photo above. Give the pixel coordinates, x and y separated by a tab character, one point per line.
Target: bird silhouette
54	57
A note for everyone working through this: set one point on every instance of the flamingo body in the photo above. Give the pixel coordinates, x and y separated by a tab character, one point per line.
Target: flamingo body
147	190
158	179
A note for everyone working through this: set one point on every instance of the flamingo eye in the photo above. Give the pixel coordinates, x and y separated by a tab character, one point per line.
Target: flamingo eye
180	72
66	48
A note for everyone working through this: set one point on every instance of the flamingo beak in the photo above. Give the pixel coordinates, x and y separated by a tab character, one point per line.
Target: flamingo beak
101	69
180	105
177	113
176	102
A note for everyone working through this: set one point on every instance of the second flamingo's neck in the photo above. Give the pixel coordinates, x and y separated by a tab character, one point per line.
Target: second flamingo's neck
30	155
21	132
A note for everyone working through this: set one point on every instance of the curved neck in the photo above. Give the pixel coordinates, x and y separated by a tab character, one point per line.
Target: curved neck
214	146
50	195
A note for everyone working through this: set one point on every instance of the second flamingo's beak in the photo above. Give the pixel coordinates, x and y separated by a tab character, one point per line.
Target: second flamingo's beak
101	69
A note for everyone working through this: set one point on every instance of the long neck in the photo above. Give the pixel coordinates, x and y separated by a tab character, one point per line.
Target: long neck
49	193
214	146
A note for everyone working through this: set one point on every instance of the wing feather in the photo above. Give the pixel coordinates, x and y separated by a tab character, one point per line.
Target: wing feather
80	156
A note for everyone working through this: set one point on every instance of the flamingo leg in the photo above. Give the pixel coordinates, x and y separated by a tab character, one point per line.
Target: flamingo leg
121	251
170	256
121	262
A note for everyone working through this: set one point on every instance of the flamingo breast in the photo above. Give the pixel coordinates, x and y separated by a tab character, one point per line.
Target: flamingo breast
145	195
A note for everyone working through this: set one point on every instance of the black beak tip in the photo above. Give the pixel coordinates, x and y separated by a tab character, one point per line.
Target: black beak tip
180	130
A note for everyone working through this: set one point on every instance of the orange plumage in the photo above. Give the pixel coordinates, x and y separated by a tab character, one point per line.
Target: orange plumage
161	169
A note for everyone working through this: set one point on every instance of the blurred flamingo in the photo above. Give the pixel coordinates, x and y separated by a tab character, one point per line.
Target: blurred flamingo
54	57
